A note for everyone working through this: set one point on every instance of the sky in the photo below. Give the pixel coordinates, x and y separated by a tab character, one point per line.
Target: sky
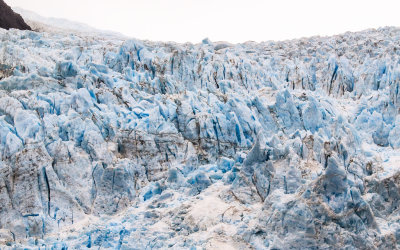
221	20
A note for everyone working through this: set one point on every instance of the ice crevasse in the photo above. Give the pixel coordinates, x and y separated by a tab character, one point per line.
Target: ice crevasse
127	144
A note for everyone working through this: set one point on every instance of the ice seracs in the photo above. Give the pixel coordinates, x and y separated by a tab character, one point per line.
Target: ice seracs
114	143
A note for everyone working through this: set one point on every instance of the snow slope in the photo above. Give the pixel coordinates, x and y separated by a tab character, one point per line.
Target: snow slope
64	26
128	144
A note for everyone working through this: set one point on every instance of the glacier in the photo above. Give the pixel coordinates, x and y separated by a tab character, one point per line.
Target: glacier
115	143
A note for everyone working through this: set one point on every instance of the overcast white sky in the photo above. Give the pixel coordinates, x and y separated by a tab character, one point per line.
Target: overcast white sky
221	20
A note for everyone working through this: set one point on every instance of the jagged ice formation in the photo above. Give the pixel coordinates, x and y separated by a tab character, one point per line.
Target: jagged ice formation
128	144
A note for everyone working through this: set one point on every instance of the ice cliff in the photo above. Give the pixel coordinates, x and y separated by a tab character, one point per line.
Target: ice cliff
126	144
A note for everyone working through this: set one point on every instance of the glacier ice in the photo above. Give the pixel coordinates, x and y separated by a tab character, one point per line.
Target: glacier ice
126	144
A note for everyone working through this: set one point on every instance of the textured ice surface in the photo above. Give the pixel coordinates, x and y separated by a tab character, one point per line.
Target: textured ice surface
127	144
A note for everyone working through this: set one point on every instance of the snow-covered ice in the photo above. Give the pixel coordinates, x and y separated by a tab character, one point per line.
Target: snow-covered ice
114	143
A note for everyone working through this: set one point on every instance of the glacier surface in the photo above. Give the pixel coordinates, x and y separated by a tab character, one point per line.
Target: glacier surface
125	144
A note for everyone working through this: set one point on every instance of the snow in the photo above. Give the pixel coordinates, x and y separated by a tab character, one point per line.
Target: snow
59	25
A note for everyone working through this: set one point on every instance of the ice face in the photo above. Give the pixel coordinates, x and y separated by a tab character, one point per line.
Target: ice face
117	143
